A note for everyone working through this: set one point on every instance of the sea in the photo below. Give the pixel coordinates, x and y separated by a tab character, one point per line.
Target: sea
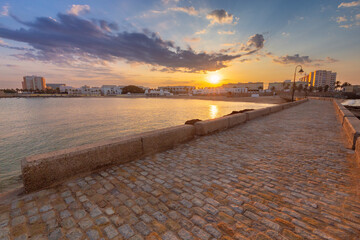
31	126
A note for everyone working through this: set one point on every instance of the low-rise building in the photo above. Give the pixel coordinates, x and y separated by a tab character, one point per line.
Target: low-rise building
157	92
178	89
108	90
55	85
251	86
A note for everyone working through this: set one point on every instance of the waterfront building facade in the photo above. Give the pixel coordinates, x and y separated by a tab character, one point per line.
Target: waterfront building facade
108	90
320	78
251	86
157	92
277	86
178	89
55	85
33	83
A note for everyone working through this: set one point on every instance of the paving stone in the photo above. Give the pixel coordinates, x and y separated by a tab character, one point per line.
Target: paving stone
56	234
74	234
185	235
85	223
160	216
17	221
65	214
68	223
126	231
200	233
169	236
110	232
78	214
101	220
93	234
142	228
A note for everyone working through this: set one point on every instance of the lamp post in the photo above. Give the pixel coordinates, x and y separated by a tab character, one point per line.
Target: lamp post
293	87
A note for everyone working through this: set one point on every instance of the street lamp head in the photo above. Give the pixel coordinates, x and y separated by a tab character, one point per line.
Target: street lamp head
301	70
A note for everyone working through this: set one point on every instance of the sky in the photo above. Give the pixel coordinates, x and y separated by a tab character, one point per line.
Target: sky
176	42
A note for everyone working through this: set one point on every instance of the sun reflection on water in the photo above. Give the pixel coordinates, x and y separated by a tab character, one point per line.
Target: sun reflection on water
213	111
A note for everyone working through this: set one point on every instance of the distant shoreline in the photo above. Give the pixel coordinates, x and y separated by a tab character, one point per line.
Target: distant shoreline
261	99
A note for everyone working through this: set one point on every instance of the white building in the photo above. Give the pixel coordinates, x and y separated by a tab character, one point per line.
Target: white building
219	91
251	86
82	91
66	89
90	91
33	83
178	89
107	90
157	92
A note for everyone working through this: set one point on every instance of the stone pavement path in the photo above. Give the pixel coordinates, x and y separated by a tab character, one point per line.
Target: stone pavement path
283	176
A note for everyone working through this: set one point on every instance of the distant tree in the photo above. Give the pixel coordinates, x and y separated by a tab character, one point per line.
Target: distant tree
9	91
132	89
286	85
260	88
337	85
300	88
311	89
320	88
345	84
273	88
326	88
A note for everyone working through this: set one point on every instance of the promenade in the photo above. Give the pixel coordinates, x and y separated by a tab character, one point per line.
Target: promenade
283	176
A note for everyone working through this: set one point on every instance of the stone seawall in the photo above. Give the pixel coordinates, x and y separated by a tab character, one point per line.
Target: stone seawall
350	124
43	170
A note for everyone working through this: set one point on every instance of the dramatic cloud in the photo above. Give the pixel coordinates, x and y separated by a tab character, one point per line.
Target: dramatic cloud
79	9
71	39
357	17
220	16
256	41
297	59
5	10
226	32
188	10
341	19
350	4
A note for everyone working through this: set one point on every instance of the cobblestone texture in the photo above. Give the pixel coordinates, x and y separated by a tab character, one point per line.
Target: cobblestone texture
283	176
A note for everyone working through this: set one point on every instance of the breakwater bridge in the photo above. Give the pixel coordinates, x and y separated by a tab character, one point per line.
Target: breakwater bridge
288	175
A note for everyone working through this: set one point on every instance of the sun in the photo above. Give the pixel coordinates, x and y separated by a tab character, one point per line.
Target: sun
214	78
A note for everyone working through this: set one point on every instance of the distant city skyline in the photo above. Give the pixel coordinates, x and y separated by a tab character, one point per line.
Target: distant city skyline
177	42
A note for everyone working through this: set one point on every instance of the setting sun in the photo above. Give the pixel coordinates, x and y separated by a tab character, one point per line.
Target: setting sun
214	78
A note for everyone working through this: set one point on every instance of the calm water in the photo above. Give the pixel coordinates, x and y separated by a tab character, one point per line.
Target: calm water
36	125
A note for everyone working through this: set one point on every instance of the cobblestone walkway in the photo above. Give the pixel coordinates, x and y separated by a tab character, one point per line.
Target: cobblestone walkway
283	176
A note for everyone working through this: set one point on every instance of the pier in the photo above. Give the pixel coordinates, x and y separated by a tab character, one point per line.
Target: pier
288	175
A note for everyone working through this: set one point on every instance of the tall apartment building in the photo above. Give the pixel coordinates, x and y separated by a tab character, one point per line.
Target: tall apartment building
33	83
320	78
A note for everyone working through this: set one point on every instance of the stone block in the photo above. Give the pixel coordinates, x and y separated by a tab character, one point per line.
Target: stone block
236	119
212	125
42	170
163	139
276	108
351	127
257	113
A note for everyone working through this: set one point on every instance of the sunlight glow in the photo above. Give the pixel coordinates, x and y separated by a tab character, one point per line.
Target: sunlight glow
214	78
213	111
